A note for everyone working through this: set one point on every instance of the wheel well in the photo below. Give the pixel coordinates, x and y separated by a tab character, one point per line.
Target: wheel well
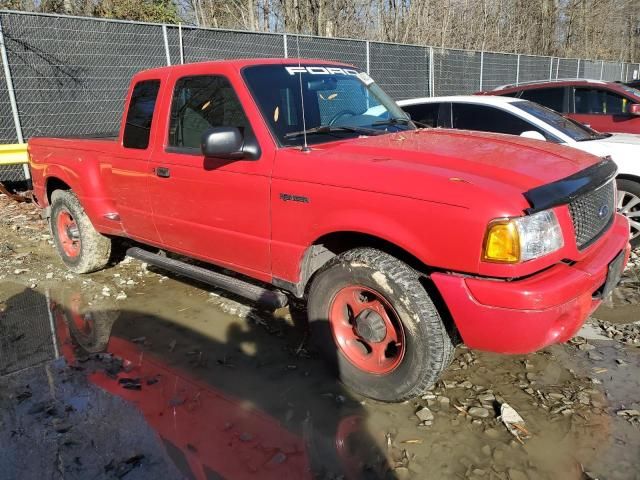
626	176
328	246
54	184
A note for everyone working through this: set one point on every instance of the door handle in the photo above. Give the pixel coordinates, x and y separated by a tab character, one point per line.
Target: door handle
162	172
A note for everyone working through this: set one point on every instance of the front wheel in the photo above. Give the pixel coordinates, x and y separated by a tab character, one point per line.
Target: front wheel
375	322
629	206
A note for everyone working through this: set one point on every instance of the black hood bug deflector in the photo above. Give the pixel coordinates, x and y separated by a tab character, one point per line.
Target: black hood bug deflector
568	189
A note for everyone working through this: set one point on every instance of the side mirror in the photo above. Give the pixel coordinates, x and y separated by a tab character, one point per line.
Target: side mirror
634	109
533	135
229	143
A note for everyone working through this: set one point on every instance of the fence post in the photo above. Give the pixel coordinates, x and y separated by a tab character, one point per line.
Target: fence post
368	58
551	68
180	44
481	68
621	71
601	69
578	71
431	73
284	44
518	71
166	44
12	96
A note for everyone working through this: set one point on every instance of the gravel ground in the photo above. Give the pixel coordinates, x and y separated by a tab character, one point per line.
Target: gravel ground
207	385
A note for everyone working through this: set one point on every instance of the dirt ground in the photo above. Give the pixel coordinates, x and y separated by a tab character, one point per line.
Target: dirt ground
132	373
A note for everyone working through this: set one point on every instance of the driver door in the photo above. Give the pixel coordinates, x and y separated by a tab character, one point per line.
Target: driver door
210	208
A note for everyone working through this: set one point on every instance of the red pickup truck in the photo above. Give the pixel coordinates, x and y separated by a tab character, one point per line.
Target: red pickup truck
400	239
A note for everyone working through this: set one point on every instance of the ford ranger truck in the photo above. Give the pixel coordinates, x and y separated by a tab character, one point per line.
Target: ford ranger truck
401	240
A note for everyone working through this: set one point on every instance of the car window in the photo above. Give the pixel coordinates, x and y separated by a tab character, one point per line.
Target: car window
573	130
200	103
426	113
489	119
596	101
140	115
552	98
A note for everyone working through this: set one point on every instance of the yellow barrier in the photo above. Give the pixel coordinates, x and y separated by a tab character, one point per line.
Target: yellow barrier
15	154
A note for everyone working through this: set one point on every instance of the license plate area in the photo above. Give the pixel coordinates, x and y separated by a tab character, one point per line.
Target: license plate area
614	273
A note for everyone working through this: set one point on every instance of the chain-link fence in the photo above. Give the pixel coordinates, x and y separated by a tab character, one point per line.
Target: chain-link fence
69	75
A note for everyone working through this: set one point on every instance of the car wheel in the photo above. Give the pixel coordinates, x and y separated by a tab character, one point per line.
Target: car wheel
375	322
629	206
80	246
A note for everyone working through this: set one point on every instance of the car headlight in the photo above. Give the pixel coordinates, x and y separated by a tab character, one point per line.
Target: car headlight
512	240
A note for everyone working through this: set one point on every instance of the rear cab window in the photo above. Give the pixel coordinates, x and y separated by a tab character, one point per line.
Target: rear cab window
137	129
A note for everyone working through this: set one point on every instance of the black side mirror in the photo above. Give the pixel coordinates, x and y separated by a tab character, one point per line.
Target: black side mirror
229	143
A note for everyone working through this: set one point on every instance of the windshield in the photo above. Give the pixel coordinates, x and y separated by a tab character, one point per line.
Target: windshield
632	90
339	102
574	130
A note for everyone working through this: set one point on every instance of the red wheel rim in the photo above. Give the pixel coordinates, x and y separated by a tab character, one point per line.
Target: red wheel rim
367	329
68	234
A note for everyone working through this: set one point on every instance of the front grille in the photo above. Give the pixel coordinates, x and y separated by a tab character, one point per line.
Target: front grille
592	213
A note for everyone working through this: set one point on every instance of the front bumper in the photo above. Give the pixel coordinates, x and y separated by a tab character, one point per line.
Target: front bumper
526	315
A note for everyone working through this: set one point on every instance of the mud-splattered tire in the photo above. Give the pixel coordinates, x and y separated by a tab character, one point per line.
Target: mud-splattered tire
375	322
81	247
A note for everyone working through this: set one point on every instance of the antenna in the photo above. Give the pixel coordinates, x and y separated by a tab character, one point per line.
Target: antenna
305	147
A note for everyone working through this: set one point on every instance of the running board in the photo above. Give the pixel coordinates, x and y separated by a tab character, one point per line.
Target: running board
241	288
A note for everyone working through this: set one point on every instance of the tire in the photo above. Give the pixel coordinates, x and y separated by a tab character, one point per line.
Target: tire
419	347
628	193
80	246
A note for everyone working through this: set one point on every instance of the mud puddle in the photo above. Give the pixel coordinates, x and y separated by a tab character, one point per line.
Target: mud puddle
233	391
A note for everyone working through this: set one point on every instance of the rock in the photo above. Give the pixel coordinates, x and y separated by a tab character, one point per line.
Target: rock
586	346
595	356
628	413
465	384
486	449
444	402
478	412
583	398
49	276
121	296
401	472
517	475
424	414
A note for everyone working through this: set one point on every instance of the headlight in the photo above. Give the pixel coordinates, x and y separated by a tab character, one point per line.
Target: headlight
513	240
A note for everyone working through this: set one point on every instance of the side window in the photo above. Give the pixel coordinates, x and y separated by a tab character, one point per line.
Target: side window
599	102
489	119
426	113
552	98
140	115
200	103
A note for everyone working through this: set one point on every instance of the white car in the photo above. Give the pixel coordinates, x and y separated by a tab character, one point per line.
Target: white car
515	116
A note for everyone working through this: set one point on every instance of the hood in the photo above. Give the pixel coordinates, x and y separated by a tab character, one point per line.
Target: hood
480	158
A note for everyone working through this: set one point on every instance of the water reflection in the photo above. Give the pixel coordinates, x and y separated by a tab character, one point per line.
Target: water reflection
225	430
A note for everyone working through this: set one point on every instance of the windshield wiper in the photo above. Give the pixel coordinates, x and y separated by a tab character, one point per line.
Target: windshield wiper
401	121
333	128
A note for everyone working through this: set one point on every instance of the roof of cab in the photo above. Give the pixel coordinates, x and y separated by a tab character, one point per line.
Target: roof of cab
246	62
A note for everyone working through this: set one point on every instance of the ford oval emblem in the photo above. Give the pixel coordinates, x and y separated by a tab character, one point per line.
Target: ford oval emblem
604	211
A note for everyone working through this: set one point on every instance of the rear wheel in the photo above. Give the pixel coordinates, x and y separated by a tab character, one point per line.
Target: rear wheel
629	206
372	318
80	246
